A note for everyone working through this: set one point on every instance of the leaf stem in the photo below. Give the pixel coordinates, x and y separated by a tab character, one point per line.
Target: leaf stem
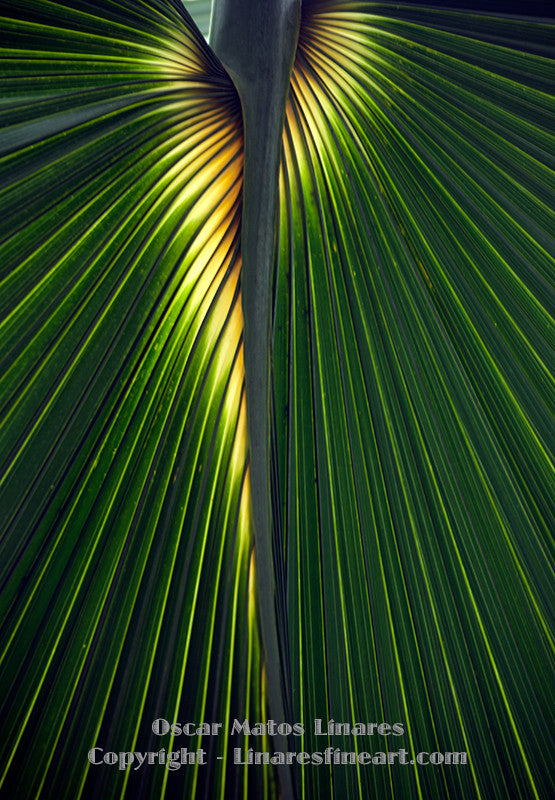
256	41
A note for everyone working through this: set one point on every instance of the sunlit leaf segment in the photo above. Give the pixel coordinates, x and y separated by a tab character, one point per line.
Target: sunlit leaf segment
126	546
412	390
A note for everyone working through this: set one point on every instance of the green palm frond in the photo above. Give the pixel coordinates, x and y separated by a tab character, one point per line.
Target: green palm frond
125	490
412	386
390	358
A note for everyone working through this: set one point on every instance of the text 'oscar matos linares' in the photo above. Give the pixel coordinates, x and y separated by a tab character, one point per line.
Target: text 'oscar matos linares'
161	727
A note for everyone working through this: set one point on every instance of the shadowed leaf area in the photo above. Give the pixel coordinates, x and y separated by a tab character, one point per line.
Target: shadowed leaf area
411	416
412	344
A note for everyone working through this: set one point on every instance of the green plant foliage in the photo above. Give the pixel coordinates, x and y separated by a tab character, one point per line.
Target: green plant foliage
412	344
126	547
410	422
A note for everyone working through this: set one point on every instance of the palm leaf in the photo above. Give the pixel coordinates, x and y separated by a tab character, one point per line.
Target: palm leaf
126	526
412	396
399	450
